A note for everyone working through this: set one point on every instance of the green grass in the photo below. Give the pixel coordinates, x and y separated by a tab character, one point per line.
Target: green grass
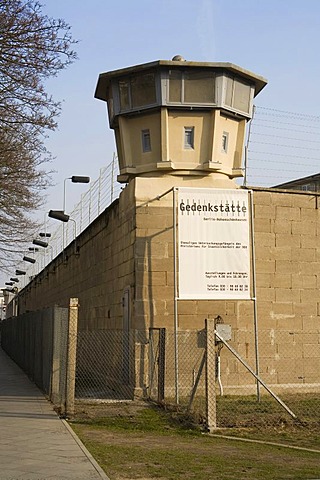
151	444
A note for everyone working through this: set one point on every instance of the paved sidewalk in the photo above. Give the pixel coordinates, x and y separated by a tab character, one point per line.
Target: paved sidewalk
34	443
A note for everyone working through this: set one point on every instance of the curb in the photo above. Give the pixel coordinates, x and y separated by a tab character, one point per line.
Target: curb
85	451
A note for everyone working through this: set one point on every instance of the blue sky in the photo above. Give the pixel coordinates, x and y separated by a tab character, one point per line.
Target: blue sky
278	39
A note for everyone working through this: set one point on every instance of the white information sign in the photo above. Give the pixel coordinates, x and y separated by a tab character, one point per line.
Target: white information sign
214	244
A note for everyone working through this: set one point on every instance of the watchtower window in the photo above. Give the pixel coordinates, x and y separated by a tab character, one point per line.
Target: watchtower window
191	87
225	141
146	141
189	137
238	94
137	91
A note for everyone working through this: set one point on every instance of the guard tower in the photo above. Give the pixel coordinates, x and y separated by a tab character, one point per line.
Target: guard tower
180	119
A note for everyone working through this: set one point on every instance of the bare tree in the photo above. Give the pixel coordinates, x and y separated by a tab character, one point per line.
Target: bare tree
33	47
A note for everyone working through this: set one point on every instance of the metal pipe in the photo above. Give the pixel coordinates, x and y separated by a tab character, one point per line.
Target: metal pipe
176	354
255	375
254	294
219	372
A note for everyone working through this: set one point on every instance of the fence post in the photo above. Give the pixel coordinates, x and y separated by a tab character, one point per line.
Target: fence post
161	364
211	412
71	355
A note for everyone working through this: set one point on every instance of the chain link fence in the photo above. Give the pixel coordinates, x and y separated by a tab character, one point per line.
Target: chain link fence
198	374
210	374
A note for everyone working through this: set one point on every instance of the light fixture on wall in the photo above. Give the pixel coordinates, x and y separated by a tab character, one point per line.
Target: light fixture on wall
20	272
59	215
29	259
74	179
63	217
40	243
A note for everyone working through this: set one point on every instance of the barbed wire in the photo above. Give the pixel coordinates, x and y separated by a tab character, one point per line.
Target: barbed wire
291	154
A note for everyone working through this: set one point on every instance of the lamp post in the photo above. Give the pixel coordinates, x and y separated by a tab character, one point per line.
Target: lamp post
74	179
43	244
63	217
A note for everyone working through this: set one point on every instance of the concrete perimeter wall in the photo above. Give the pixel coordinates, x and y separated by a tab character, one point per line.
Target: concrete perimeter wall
130	246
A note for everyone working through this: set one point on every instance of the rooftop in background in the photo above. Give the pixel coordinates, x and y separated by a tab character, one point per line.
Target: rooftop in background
310	184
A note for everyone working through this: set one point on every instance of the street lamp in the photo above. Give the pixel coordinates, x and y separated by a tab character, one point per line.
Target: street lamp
63	217
29	259
40	243
20	272
74	179
59	215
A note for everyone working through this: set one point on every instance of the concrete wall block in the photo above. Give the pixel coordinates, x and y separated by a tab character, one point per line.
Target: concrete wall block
311	350
158	234
265	279
290	351
263	252
282	280
212	308
244	308
283	199
282	253
310	322
264	211
305	227
311	366
263	225
304	201
153	221
266	266
285	240
161	264
282	226
164	292
289	295
304	254
159	250
265	239
282	266
289	324
282	310
310	281
309	296
186	307
266	294
309	241
287	213
262	198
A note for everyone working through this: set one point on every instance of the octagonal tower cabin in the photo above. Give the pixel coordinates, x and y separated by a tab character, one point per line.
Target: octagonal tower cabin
179	122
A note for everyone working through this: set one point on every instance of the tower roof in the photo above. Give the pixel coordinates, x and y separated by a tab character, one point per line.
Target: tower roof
105	78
